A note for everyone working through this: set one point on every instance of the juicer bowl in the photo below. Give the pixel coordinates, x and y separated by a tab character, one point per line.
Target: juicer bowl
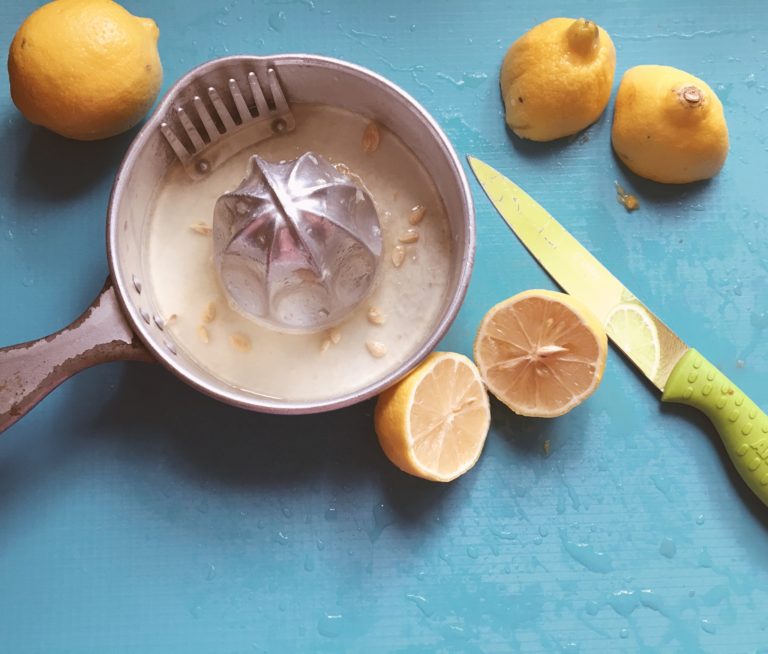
305	79
124	321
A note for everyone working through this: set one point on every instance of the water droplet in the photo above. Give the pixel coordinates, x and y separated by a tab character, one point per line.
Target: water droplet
592	608
473	551
320	545
707	626
667	548
392	18
331	625
504	534
34	231
330	514
759	320
309	564
9	235
211	572
277	21
422	603
586	555
282	538
624	602
704	560
473	80
28	280
287	512
537	540
543	531
700	519
624	633
382	518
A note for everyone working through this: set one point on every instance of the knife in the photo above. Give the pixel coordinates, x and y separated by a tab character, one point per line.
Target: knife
682	374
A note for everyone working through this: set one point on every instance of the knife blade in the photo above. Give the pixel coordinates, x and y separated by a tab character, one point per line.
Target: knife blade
682	374
631	325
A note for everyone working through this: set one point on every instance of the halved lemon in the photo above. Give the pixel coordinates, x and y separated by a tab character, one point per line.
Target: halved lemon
541	353
433	423
630	325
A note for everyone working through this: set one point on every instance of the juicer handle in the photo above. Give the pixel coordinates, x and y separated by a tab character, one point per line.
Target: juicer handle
29	371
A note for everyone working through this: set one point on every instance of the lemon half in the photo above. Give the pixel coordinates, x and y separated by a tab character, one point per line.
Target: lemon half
433	424
541	353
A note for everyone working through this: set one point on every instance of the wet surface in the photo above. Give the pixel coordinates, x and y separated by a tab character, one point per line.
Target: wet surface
138	515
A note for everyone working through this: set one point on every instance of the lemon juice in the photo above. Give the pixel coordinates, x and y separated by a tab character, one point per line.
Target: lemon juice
378	336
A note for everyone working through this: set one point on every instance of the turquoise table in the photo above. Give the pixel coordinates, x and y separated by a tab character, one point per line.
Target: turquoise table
137	516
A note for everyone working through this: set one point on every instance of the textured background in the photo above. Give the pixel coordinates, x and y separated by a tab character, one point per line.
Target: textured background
138	516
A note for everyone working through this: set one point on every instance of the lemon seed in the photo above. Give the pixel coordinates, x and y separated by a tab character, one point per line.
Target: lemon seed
240	342
201	228
375	316
376	348
398	256
202	334
371	138
409	236
209	314
417	214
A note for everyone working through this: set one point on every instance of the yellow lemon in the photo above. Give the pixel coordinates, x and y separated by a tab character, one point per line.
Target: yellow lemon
541	353
433	423
668	125
556	79
86	69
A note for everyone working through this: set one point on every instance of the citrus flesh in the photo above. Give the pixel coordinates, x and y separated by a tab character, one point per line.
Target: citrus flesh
434	422
85	69
541	353
668	125
638	336
556	79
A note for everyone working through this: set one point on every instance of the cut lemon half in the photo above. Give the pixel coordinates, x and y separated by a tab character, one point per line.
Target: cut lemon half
631	327
433	423
541	353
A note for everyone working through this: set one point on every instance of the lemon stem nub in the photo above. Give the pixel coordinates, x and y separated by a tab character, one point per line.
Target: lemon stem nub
691	96
583	36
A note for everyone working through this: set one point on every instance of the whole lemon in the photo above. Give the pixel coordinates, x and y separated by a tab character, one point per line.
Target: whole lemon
556	79
86	69
668	125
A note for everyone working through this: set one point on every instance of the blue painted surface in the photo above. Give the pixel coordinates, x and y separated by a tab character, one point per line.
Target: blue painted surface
139	516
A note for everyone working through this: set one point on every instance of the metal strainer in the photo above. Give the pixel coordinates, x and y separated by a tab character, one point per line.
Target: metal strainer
297	244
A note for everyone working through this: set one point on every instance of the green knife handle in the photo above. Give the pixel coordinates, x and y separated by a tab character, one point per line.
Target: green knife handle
739	421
